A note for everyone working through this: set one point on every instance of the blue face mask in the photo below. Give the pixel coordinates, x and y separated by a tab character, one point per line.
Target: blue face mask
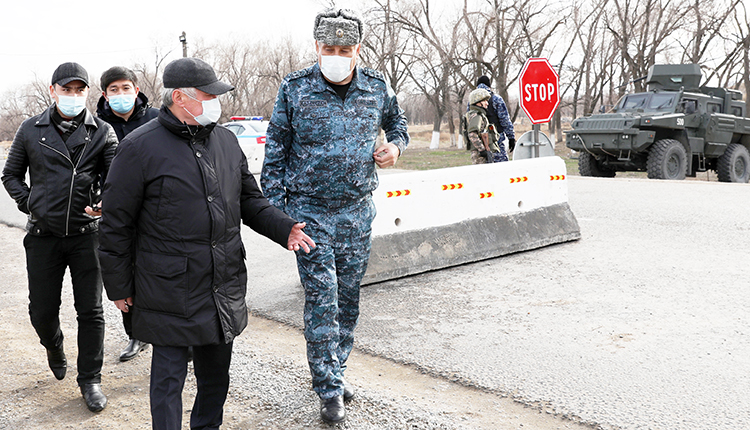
122	103
71	106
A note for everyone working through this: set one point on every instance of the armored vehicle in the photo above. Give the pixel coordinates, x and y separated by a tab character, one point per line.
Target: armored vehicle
674	129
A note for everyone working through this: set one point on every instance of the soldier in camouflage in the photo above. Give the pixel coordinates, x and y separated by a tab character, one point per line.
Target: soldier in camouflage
481	134
497	114
319	167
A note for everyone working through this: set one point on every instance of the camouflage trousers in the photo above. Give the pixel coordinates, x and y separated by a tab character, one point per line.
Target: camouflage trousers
331	274
497	157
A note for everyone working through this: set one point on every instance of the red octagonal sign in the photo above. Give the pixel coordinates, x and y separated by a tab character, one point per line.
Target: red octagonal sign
540	90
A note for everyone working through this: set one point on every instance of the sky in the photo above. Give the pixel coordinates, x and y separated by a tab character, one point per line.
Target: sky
39	35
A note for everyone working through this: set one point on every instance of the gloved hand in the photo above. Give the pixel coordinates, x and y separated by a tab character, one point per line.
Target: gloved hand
511	144
485	154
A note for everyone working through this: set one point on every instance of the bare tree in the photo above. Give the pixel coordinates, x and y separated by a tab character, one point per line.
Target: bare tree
432	50
384	42
149	75
642	31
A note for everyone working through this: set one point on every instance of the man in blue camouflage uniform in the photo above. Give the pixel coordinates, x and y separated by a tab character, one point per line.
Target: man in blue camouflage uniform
497	113
319	168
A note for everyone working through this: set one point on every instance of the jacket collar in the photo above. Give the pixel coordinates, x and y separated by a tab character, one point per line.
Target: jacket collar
182	130
479	109
46	118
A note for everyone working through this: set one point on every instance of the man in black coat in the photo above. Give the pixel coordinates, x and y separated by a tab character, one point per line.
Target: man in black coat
67	153
170	246
125	108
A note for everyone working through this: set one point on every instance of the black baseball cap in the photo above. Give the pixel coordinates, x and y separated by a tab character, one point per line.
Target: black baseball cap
69	72
194	73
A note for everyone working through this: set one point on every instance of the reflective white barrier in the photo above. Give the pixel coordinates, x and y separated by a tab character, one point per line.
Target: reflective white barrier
431	198
440	218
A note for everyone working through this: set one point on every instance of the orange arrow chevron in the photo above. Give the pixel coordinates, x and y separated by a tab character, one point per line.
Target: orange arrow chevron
452	186
557	178
486	195
521	179
397	193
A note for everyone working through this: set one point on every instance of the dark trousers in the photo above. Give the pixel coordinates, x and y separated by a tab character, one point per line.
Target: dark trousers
47	257
127	322
168	372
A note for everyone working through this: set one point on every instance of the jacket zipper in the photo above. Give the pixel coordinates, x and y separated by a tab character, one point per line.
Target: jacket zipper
72	179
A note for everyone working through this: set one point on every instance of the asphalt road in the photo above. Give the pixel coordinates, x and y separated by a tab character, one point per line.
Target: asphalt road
642	324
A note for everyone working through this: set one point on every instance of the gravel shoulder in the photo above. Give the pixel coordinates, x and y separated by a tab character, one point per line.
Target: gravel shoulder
270	385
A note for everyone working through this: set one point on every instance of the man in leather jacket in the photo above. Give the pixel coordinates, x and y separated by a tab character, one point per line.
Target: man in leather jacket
67	153
171	249
125	108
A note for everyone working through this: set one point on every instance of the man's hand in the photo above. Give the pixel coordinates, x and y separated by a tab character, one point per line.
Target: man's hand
386	155
298	239
124	304
95	210
511	144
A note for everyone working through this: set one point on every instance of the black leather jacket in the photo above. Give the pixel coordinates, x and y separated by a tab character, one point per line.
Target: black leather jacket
60	188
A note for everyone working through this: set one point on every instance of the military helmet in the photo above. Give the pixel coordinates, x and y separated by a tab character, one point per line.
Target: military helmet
478	95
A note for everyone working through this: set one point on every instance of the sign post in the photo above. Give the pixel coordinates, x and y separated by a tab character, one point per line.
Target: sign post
540	94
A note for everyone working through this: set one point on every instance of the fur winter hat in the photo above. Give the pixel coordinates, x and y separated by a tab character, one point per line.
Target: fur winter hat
338	27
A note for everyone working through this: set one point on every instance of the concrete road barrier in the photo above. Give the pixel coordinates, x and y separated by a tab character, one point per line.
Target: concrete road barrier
440	218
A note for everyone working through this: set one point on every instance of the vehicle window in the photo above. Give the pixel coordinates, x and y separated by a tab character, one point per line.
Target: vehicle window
714	107
661	101
736	111
259	126
634	101
689	106
235	128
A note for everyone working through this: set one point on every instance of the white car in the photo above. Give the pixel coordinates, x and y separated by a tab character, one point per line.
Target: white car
251	133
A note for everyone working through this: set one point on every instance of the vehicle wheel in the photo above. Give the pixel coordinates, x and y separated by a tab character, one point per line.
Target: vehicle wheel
589	166
667	159
734	164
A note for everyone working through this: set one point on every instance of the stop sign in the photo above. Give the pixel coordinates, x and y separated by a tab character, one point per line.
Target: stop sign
540	90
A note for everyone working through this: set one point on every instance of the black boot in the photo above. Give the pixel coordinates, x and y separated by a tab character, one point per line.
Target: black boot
57	362
134	347
95	399
332	410
348	390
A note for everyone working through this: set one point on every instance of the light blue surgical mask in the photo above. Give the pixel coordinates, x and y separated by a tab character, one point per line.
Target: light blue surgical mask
71	106
122	103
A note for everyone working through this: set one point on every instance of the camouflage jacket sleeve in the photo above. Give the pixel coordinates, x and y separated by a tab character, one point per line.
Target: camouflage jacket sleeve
476	141
278	142
503	117
477	124
394	122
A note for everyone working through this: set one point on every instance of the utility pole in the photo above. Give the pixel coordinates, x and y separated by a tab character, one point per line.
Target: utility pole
183	39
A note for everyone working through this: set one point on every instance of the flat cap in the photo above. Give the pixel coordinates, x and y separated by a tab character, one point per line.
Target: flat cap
69	72
194	73
338	27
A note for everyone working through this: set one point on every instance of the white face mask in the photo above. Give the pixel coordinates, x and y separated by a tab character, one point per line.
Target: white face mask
335	68
211	111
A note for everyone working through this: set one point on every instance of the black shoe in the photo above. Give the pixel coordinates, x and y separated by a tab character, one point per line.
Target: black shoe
348	390
95	399
332	410
134	347
57	362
